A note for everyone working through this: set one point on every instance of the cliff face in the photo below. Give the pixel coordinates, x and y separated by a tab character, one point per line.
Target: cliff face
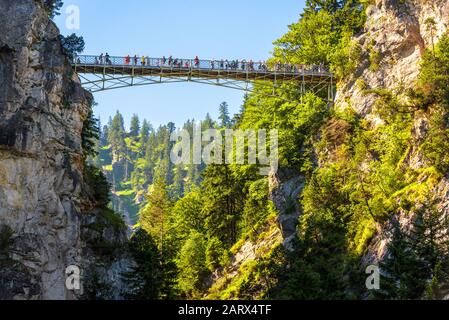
44	200
396	34
394	39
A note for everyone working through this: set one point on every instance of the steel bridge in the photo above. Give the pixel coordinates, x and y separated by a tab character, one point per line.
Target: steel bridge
107	73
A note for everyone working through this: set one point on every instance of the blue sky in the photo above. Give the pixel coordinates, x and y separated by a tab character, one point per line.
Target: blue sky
232	29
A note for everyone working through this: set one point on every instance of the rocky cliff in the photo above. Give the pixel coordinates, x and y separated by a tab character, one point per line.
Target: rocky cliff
391	46
46	208
397	33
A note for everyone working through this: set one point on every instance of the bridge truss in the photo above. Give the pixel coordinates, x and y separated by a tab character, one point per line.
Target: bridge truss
98	74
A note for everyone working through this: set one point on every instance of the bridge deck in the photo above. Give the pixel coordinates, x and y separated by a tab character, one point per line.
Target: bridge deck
204	69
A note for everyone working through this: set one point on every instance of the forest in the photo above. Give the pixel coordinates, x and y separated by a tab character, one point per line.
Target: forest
189	221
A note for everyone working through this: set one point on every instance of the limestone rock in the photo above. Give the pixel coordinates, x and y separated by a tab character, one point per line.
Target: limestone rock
43	196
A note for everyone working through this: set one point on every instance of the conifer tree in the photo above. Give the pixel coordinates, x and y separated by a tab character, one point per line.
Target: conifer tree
145	279
134	126
154	217
225	120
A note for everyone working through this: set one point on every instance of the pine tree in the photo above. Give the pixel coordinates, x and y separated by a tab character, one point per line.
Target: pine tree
223	203
145	279
134	126
417	262
117	135
403	272
154	217
207	123
72	45
191	263
214	253
90	134
225	120
177	188
145	132
53	7
186	215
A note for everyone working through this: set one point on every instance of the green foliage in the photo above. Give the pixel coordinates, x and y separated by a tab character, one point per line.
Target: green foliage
214	254
135	126
434	76
191	263
90	134
357	177
145	279
99	185
437	143
374	59
433	94
154	217
187	215
222	202
72	45
256	210
322	35
53	7
225	120
113	219
96	289
346	58
417	264
295	122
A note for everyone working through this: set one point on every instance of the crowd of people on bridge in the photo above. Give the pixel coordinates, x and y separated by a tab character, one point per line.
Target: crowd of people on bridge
234	65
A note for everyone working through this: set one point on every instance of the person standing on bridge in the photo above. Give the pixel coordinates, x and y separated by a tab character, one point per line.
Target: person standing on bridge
135	59
197	62
127	60
107	58
101	58
142	60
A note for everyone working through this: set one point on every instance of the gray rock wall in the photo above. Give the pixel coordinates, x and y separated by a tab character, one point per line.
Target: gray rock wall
43	196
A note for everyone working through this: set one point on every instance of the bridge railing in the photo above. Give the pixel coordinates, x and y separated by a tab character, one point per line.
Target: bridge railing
192	64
